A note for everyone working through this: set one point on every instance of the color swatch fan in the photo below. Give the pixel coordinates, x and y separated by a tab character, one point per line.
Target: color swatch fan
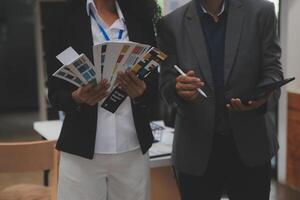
109	58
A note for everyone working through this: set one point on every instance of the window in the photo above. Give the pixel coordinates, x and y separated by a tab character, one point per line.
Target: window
170	5
276	3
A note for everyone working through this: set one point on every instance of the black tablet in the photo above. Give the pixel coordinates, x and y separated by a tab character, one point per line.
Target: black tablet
263	89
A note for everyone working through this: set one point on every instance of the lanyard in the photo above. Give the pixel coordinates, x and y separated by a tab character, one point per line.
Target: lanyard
102	30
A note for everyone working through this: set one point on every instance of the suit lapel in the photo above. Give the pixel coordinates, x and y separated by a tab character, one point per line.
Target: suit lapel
198	43
233	34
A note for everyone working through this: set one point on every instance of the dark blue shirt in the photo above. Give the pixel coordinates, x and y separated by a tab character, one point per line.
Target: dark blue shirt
214	33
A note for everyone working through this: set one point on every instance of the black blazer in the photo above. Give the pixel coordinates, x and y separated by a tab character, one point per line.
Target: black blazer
79	128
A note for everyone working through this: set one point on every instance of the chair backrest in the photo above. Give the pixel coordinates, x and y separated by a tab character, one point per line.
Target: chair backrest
27	156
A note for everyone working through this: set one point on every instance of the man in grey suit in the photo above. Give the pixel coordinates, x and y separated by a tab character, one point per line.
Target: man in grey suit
227	48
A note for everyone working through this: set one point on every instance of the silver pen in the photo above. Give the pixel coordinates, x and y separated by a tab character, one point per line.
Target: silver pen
183	74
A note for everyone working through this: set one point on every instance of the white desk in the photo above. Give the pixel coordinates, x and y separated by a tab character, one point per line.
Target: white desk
50	130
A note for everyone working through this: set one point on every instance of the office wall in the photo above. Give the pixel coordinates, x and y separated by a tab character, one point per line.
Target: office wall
18	83
291	32
290	41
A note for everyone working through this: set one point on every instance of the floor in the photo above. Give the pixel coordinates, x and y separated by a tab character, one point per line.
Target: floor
18	127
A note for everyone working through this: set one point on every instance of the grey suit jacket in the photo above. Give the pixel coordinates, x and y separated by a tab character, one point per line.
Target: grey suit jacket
252	57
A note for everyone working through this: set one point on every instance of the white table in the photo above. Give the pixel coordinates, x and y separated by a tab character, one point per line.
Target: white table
50	130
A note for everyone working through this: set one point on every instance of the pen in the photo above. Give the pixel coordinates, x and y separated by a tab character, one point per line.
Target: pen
183	74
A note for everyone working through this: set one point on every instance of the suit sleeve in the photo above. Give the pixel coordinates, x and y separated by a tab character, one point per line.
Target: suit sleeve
271	50
168	74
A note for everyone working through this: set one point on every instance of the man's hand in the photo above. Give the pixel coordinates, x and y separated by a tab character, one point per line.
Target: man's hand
186	86
91	95
131	84
237	105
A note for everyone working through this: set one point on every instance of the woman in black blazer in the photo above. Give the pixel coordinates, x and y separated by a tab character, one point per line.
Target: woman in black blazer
88	169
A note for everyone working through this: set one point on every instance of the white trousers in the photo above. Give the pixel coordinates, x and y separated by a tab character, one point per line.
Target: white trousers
107	177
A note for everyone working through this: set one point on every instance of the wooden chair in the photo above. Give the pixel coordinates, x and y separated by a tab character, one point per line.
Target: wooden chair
30	157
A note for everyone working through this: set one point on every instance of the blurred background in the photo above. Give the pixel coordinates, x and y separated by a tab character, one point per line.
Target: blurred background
25	30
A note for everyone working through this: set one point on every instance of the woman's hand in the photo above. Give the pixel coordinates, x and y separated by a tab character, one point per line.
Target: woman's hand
90	94
131	84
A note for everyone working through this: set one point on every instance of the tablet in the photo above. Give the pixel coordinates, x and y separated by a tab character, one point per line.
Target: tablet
261	90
